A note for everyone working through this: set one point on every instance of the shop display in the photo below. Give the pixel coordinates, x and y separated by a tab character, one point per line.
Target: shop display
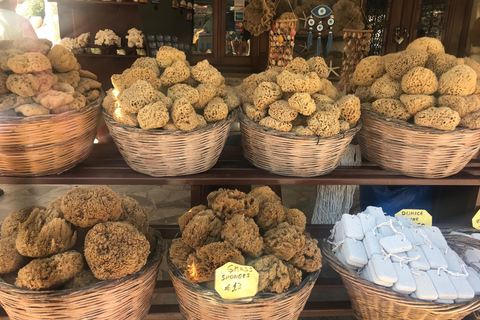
77	45
259	15
107	42
135	41
423	85
253	229
282	40
299	99
168	93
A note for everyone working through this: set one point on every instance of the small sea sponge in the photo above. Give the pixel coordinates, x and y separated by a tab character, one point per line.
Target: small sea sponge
166	56
32	45
318	65
472	64
270	122
462	104
419	80
81	279
253	113
147	62
280	110
349	107
183	115
130	76
53	99
442	118
271	214
215	110
265	195
10	224
417	102
303	103
10	259
460	80
328	89
386	87
202	229
309	258
227	203
298	65
87	74
32	109
179	252
137	96
296	218
121	116
391	108
265	94
313	83
27	85
398	64
368	70
291	82
62	60
324	123
175	73
440	63
243	234
364	93
321	98
185	218
29	62
71	77
471	120
232	99
284	241
153	116
303	131
181	90
273	274
204	72
428	44
344	125
206	92
134	213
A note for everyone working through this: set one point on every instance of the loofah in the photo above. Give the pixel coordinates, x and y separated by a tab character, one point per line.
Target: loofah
440	63
181	90
349	108
303	103
417	102
269	122
420	80
318	65
398	64
253	113
391	108
265	94
386	87
215	110
442	118
153	116
183	115
430	45
280	110
471	120
368	70
323	123
460	80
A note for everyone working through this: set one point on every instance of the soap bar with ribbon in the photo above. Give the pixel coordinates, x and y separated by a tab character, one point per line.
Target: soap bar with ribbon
399	257
453	261
372	243
425	288
463	287
384	269
405	283
421	263
434	257
368	222
354	252
352	226
436	237
395	244
374	276
376	212
443	285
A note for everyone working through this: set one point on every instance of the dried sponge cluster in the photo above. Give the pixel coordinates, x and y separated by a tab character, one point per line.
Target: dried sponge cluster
238	227
289	99
422	84
45	248
167	93
36	79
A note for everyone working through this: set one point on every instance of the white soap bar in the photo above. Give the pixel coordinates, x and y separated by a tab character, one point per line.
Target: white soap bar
372	243
341	258
463	287
381	219
365	274
339	235
470	256
386	231
445	301
354	252
374	276
421	263
425	288
399	257
435	236
352	226
368	222
474	280
395	244
384	269
476	236
405	283
405	221
418	236
443	285
453	261
376	212
407	232
434	257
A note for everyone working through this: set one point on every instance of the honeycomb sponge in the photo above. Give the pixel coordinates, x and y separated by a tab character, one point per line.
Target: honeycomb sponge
153	116
364	93
323	123
331	107
280	110
430	45
460	80
420	80
148	63
181	90
472	64
300	120
386	87
318	65
29	62
205	73
472	103
130	76
266	93
71	77
313	83
5	55
206	92
457	103
253	113
298	65
176	73
368	70
398	64
471	120
183	115
202	122
349	106
303	103
328	89
215	110
137	96
391	108
344	126
269	122
232	99
62	59
121	116
321	98
303	131
442	118
417	102
166	56
291	82
440	63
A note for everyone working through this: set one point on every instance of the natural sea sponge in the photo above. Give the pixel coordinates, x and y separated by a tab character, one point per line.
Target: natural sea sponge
472	64
398	64
428	44
175	73
265	195
298	65
71	77
166	56
253	113
462	104
386	87
179	252
205	73
137	96
349	107
183	115
232	100
49	273
284	241
62	59
32	45
153	116
321	98
273	274
185	218
318	65
324	123
291	82
201	121
471	120
134	213
215	110
270	122
85	207
10	259
10	224
121	116
303	131
364	93
271	214
11	100
81	279
280	110
442	118
203	228
206	92
87	74
265	94
32	109
460	80
440	63
242	232
414	103
227	203
27	85
53	99
115	249
296	218
419	80
87	84
368	70
29	62
130	76
328	89
303	103
391	108
309	258
148	63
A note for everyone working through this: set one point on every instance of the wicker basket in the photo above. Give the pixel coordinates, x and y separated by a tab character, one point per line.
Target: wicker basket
48	144
199	303
122	299
288	154
413	150
373	302
161	153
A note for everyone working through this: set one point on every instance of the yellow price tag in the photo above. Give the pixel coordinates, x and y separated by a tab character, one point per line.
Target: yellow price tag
234	281
476	220
421	217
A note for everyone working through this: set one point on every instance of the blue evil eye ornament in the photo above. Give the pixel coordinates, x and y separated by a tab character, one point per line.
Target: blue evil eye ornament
321	11
311	22
331	21
320	27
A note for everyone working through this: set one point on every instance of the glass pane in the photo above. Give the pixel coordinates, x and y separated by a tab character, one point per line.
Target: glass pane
237	39
473	42
203	27
377	20
432	19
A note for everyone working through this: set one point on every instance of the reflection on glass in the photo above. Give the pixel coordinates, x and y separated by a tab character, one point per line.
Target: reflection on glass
432	19
237	39
473	42
203	27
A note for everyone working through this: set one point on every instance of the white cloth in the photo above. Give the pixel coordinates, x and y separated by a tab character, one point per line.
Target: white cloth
14	26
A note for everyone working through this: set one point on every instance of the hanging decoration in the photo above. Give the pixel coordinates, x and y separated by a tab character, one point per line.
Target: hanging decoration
282	40
311	23
319	39
320	13
330	23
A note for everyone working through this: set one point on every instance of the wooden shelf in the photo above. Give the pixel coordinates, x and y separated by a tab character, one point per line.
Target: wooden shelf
75	2
89	55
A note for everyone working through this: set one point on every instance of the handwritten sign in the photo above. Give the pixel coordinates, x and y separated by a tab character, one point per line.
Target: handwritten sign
421	217
476	220
234	281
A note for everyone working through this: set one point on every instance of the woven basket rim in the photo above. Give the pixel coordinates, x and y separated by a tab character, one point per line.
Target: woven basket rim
367	109
52	117
387	292
161	132
290	135
258	298
92	288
